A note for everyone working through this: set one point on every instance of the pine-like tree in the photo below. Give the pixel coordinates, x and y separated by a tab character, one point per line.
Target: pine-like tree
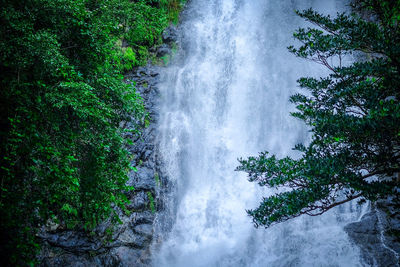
353	114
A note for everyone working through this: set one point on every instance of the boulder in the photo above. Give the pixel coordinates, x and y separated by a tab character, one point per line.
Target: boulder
170	34
377	234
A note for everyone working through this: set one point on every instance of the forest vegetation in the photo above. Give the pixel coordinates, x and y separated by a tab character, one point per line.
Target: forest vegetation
63	155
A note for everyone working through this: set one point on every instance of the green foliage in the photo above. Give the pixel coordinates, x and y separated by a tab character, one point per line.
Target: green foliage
145	22
129	59
353	114
170	7
143	55
151	200
157	178
63	155
166	59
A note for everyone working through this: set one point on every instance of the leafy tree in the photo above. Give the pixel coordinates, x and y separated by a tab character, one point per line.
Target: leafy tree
145	20
353	114
63	155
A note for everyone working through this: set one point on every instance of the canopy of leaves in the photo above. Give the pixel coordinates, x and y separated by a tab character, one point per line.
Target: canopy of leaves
353	114
63	154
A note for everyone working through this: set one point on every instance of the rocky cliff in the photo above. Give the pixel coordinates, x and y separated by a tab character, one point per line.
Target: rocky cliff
377	234
127	243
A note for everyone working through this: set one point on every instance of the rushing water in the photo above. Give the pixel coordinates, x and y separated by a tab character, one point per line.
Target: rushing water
227	98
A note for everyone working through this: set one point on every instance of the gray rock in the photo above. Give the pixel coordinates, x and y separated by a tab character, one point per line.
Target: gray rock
127	256
132	239
73	241
144	229
139	201
143	218
142	179
163	50
125	43
170	34
373	234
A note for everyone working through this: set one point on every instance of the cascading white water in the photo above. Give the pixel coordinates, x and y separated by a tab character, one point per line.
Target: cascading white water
228	98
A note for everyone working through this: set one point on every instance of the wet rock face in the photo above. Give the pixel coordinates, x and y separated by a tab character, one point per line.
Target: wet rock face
163	50
128	243
170	35
377	234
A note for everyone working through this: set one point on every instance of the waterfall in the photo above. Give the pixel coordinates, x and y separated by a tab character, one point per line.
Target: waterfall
227	97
